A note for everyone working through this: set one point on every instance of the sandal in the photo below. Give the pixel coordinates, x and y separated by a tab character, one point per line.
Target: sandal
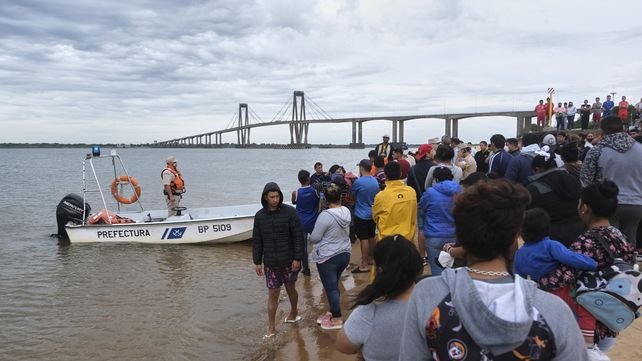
328	324
296	319
324	317
359	270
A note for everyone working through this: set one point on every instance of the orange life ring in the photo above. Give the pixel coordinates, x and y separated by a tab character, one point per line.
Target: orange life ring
126	179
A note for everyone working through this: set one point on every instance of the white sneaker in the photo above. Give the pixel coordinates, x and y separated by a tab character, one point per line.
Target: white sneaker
595	354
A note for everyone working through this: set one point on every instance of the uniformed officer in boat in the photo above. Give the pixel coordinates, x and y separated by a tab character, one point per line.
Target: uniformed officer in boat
173	185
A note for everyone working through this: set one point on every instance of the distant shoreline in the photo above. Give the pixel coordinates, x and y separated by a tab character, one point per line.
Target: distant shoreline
204	146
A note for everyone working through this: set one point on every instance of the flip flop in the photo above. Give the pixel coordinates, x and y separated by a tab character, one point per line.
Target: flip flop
323	316
268	336
359	270
296	319
327	324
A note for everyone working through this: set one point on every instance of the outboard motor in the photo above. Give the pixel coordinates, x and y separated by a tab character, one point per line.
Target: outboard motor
70	209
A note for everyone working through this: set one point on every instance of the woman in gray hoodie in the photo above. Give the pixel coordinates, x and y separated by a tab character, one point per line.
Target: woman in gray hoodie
484	311
331	252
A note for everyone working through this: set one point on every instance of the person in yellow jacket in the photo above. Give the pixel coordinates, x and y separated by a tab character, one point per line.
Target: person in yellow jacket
395	207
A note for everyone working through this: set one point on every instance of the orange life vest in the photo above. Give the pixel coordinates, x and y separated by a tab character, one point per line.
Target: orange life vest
177	185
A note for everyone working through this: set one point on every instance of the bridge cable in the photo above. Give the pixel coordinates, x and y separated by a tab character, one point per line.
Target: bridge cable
328	116
280	110
284	113
234	119
256	116
314	114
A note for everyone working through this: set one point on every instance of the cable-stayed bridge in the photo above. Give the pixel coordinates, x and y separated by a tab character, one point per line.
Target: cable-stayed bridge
299	113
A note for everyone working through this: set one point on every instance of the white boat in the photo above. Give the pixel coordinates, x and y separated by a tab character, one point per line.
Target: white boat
200	225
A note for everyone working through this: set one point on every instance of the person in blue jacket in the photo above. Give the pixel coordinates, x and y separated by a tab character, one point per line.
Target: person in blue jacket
498	161
540	255
306	200
439	225
520	166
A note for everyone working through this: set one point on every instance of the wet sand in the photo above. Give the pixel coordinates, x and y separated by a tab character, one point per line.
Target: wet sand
306	341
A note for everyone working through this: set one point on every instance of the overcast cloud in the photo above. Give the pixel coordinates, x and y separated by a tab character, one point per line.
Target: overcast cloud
136	71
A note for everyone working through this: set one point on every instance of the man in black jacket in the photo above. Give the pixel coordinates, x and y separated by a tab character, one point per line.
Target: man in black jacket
481	157
277	250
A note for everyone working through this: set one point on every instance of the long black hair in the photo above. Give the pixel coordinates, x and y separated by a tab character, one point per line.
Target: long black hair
398	266
602	198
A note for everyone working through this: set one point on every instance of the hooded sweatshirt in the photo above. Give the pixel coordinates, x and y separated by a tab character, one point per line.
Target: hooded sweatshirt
498	316
617	157
331	234
437	204
520	167
277	238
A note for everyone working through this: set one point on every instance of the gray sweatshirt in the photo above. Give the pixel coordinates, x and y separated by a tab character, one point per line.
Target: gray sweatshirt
498	318
331	234
617	158
622	163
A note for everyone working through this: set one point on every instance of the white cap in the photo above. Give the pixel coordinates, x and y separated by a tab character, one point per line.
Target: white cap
386	136
549	139
171	160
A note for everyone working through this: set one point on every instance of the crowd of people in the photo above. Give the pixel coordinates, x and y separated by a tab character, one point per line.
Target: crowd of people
565	113
573	200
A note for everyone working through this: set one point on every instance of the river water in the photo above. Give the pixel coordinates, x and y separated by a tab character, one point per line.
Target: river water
135	302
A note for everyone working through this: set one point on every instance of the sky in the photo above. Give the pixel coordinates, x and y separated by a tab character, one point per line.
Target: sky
136	71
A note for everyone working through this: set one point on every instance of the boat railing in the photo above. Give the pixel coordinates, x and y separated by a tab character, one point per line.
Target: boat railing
85	189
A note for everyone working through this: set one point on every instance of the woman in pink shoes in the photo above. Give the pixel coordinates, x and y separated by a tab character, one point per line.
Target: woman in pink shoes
331	252
374	328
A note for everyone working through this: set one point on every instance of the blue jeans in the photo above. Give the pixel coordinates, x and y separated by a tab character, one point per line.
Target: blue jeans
570	119
330	272
433	247
560	123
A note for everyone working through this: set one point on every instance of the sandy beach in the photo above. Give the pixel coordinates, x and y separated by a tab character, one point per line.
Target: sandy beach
306	341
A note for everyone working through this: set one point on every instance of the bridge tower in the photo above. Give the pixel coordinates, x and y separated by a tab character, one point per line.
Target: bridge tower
243	132
299	126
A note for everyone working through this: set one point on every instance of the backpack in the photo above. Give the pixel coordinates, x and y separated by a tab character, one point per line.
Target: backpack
613	295
447	338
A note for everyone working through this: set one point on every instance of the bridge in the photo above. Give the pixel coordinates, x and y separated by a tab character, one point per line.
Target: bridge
299	124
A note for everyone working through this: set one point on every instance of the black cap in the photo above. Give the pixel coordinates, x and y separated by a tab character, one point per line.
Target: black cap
365	163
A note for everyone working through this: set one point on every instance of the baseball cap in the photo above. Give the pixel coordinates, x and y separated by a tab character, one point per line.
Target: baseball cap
171	160
434	140
365	163
549	139
423	151
386	135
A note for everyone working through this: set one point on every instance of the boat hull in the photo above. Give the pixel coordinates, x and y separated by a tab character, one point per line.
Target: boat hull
174	230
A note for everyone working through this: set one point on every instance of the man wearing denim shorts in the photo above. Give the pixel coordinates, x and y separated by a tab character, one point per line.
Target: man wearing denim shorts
364	191
277	250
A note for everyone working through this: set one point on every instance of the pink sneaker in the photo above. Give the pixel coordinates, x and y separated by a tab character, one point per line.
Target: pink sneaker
324	316
328	324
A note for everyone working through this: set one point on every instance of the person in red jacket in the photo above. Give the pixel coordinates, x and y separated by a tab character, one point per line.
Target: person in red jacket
541	110
623	110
